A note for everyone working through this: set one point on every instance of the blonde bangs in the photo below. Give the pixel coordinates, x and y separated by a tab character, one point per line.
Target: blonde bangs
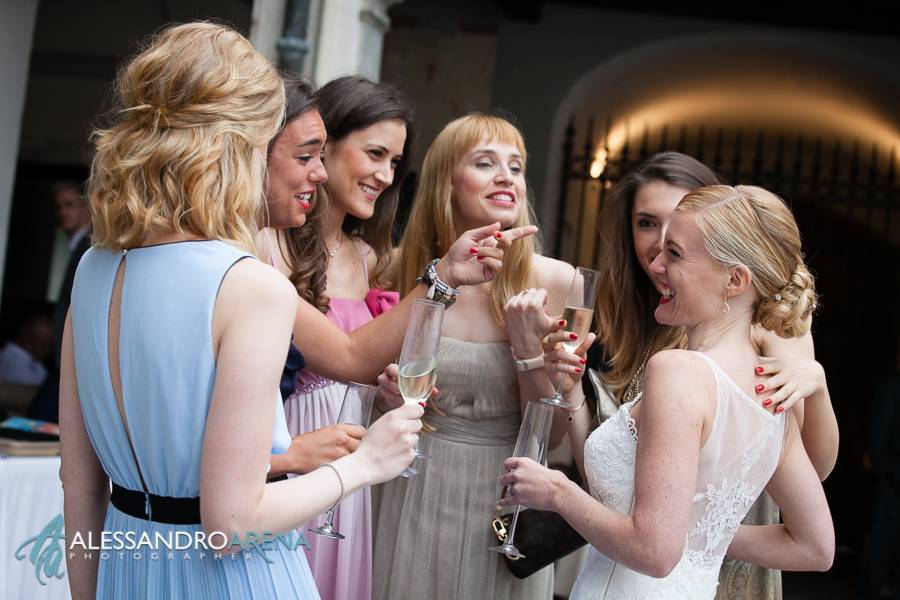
430	230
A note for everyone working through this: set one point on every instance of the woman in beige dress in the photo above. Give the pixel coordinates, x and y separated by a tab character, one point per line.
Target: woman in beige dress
432	531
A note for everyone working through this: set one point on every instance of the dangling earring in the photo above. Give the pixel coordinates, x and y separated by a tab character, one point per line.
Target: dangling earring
725	308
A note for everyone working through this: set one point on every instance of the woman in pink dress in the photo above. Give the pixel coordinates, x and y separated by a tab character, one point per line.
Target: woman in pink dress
337	261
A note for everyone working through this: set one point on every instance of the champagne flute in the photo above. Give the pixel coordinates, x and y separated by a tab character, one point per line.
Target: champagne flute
578	314
533	441
356	409
418	359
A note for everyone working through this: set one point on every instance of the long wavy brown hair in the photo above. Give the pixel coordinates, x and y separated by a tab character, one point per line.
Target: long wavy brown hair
348	104
180	152
626	328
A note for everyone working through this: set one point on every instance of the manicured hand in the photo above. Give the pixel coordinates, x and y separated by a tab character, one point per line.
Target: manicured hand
561	363
527	322
477	255
788	381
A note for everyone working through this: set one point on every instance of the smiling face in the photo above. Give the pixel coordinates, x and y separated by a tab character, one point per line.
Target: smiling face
654	204
489	185
361	166
295	168
691	282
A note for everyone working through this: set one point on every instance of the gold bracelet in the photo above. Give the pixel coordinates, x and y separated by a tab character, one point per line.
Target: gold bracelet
572	411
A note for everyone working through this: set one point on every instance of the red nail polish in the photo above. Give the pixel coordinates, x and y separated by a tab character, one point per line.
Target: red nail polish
760	387
562	323
473	250
498	235
572	336
779	409
422	404
578	370
480	258
767	402
582	361
759	370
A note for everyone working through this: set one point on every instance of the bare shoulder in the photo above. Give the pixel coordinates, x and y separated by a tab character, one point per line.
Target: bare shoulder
250	284
553	275
773	345
680	376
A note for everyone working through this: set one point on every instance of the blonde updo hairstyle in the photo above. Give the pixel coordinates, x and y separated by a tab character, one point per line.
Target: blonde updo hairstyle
185	152
750	226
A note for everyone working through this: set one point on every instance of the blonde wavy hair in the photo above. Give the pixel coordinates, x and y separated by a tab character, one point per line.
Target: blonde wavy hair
750	226
431	231
185	151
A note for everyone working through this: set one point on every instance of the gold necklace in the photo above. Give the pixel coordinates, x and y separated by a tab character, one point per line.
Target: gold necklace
635	385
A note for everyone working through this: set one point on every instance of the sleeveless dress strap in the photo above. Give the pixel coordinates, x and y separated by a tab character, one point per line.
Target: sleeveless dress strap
364	254
274	251
716	369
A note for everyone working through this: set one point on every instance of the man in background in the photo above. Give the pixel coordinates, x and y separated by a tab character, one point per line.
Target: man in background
73	218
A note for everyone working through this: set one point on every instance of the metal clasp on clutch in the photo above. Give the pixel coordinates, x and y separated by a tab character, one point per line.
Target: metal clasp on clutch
499	529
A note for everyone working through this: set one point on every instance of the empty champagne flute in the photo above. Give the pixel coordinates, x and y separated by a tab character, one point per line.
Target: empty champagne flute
578	314
356	409
533	441
418	359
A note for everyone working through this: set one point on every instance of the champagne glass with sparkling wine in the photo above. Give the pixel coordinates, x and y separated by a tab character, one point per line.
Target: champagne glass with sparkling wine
418	359
578	314
356	409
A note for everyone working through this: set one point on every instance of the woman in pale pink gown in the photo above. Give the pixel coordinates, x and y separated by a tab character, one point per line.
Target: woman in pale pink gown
337	261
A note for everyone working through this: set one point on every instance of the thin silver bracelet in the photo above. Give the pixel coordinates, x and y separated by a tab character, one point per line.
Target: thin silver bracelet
333	468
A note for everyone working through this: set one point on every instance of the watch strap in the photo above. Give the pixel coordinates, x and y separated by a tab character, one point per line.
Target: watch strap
528	364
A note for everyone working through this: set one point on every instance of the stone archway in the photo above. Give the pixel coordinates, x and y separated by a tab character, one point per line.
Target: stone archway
783	87
763	81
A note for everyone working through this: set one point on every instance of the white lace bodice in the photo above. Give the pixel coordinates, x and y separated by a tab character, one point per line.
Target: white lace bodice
736	463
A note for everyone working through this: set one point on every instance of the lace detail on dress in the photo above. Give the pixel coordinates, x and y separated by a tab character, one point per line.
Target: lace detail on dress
727	504
609	459
735	464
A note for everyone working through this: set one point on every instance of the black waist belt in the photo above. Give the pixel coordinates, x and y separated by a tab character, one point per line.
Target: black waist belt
160	509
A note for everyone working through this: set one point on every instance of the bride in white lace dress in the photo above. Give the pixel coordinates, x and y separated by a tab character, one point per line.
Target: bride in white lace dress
673	472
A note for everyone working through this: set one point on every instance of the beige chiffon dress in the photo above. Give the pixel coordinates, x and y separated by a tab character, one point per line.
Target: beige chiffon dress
433	531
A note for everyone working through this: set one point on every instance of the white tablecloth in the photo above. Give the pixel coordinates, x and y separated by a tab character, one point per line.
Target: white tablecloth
32	549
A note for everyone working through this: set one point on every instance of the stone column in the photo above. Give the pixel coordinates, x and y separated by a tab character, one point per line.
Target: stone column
350	38
16	34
